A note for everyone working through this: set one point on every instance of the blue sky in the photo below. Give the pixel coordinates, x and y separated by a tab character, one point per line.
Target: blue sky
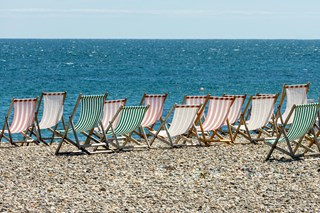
203	19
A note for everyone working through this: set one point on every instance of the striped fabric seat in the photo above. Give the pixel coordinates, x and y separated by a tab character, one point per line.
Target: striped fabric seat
197	100
53	109
217	114
235	109
111	107
91	113
296	94
23	118
194	99
130	119
262	108
154	113
90	118
218	111
305	116
23	115
182	121
261	111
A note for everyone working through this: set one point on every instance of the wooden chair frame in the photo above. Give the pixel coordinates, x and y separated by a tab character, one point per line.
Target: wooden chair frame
292	152
54	127
243	121
141	132
24	132
163	125
70	127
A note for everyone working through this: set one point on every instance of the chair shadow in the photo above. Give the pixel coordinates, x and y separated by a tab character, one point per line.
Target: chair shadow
285	160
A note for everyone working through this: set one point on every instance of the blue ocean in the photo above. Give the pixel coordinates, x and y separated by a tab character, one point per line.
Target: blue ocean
130	68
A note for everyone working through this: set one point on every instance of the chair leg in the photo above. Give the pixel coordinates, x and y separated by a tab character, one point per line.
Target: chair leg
10	136
52	137
145	136
271	150
3	129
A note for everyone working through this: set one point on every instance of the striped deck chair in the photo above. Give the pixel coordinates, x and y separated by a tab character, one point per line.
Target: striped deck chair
234	112
153	114
182	122
217	115
111	107
295	94
197	100
90	118
303	121
53	106
261	109
126	120
23	119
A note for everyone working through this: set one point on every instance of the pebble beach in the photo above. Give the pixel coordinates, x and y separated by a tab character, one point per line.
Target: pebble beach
219	178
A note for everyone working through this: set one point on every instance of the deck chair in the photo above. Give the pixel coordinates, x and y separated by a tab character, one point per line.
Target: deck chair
197	100
53	106
182	122
262	108
304	117
234	112
23	119
295	94
111	107
217	114
121	127
153	114
90	118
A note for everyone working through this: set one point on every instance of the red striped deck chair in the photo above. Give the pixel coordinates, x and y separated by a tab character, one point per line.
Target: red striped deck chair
217	115
197	100
182	123
294	94
23	119
153	114
234	112
261	109
53	106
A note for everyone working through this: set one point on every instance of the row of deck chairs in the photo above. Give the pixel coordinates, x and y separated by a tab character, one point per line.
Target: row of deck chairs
110	125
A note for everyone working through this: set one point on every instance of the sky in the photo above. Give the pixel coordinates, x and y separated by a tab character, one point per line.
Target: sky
160	19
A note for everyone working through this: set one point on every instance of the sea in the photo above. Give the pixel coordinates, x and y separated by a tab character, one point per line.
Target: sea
129	68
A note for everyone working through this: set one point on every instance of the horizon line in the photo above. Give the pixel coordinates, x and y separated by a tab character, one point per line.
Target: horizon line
99	38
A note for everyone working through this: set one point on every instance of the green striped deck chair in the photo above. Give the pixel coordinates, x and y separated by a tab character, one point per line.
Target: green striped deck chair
130	120
303	121
90	118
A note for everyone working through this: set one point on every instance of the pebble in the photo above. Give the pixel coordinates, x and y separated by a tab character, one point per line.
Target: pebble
231	178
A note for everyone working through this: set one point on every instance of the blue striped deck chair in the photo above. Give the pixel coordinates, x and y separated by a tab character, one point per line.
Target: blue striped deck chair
127	120
90	118
304	119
